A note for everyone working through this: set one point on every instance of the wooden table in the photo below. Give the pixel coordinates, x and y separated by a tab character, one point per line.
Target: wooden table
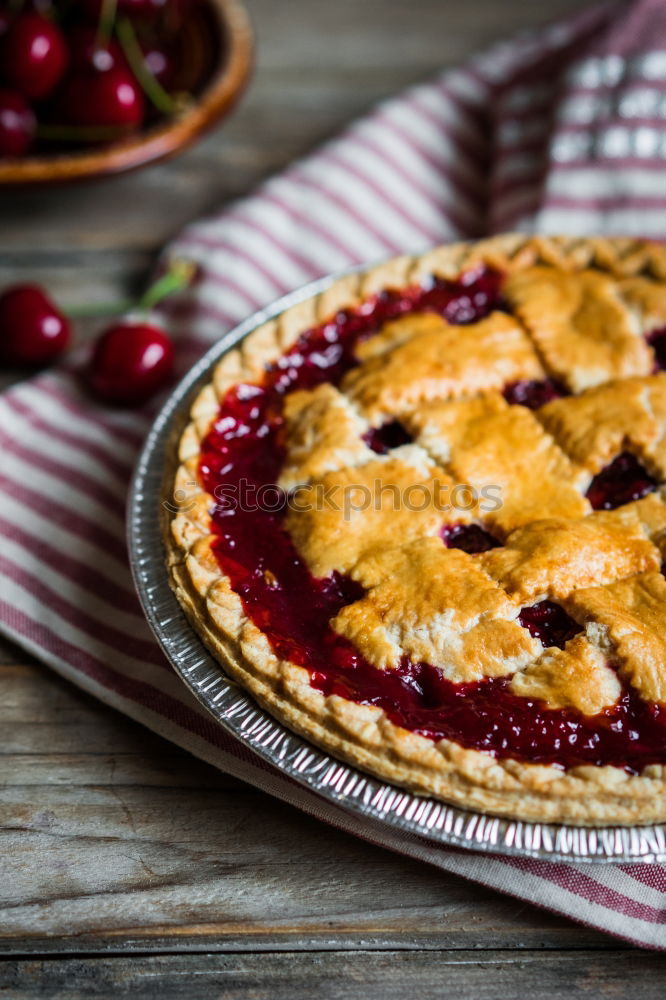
130	867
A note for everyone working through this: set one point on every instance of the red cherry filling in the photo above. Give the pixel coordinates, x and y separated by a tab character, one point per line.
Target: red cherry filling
486	716
533	394
470	538
622	481
550	623
294	609
17	124
476	294
34	55
391	435
32	330
657	341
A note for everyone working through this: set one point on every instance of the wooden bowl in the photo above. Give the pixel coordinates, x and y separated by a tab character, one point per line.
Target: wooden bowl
219	45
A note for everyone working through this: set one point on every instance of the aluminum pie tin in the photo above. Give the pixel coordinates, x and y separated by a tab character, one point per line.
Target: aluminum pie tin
240	715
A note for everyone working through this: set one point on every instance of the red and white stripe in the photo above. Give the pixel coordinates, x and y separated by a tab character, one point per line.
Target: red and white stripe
561	131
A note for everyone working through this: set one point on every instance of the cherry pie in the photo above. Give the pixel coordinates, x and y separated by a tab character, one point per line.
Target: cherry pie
423	520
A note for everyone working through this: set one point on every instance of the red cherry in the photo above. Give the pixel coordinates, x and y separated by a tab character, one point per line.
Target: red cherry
34	55
33	331
110	98
131	362
85	53
17	124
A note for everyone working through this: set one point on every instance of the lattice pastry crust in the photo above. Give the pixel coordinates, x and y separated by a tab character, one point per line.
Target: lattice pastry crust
578	312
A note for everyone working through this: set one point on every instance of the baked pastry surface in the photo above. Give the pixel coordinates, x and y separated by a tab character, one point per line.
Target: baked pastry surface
422	518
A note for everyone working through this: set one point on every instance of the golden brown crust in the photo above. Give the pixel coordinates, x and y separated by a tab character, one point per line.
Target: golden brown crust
421	357
580	324
577	677
323	433
360	509
401	614
631	619
548	559
597	425
485	442
362	734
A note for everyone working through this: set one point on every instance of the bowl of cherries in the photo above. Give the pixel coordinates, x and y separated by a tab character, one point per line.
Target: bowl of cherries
96	87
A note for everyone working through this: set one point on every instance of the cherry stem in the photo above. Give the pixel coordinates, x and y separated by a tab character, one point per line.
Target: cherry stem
179	274
107	19
150	85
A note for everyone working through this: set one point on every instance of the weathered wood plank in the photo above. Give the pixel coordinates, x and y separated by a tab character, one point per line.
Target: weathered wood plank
370	975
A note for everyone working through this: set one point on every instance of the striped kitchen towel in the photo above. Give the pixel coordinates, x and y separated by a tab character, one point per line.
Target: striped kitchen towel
560	131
